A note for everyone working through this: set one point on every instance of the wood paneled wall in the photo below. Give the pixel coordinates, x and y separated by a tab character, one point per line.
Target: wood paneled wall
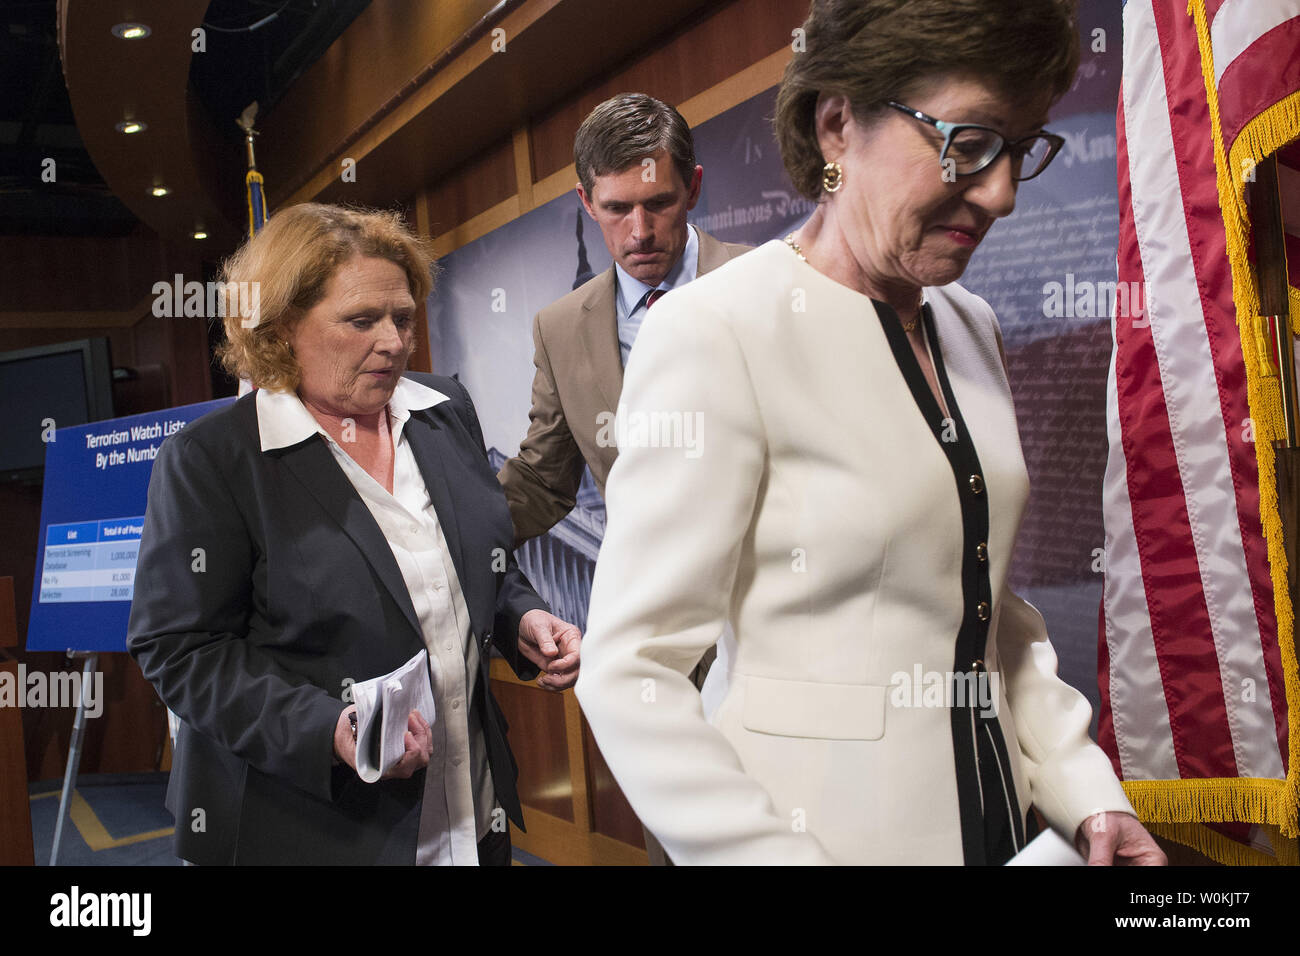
704	67
411	33
703	55
474	188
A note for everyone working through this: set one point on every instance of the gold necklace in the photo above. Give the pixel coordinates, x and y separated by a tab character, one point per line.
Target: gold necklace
907	326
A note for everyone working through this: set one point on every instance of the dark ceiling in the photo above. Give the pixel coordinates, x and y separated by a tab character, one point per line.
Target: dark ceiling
255	49
36	124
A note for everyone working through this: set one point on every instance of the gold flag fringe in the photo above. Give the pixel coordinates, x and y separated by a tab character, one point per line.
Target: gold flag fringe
1216	800
1229	852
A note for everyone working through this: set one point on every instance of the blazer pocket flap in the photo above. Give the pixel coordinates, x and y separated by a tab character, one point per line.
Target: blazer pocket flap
791	708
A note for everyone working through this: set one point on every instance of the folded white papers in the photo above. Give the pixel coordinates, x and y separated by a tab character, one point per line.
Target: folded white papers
1048	849
383	705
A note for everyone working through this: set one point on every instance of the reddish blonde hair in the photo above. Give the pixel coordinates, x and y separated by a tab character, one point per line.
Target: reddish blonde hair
291	259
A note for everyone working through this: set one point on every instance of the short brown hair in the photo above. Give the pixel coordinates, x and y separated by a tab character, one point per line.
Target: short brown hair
873	51
625	129
291	259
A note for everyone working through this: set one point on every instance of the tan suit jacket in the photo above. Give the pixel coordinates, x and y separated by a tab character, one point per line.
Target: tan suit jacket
579	377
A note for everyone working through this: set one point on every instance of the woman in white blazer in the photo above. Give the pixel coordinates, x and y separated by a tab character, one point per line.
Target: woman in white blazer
851	494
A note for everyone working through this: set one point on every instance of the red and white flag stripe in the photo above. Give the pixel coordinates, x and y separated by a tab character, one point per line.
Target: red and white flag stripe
1191	676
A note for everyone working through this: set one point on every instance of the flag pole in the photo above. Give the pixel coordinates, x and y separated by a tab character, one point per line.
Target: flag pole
253	191
1274	309
252	179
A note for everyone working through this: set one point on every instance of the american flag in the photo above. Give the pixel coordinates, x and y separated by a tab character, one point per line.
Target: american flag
1197	665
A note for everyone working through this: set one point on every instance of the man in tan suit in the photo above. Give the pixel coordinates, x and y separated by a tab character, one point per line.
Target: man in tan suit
638	180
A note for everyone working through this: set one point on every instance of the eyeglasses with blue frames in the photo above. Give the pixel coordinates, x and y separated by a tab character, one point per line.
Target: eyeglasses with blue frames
972	147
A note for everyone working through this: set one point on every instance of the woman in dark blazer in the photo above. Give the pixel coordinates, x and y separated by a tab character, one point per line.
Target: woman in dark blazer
318	533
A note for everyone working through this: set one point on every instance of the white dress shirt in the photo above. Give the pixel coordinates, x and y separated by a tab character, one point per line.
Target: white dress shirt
459	798
629	300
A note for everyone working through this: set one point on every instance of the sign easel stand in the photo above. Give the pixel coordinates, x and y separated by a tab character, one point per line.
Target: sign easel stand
74	748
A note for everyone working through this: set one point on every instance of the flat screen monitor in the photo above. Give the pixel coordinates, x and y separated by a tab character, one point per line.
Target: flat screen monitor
46	388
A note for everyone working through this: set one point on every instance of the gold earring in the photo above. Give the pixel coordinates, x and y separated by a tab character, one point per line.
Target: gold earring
832	177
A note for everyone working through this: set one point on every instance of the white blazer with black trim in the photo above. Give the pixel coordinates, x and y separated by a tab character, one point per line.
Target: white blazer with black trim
857	551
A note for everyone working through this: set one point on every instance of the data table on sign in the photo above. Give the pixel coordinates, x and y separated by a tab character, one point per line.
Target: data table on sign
90	561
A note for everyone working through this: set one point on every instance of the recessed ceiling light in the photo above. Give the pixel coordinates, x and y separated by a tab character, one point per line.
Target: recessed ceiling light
131	31
131	126
159	191
200	234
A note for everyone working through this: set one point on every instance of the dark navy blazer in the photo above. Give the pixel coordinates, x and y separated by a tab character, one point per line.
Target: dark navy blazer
263	588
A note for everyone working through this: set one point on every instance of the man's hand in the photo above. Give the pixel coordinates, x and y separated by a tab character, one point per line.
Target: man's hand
552	645
1117	839
418	740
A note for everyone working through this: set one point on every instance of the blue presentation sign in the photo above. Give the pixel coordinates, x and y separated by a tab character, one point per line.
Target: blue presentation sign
92	513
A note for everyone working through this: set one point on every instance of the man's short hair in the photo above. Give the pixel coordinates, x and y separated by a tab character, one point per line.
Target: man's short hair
622	131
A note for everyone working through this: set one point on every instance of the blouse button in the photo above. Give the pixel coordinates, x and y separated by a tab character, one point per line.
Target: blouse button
976	484
982	551
983	610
